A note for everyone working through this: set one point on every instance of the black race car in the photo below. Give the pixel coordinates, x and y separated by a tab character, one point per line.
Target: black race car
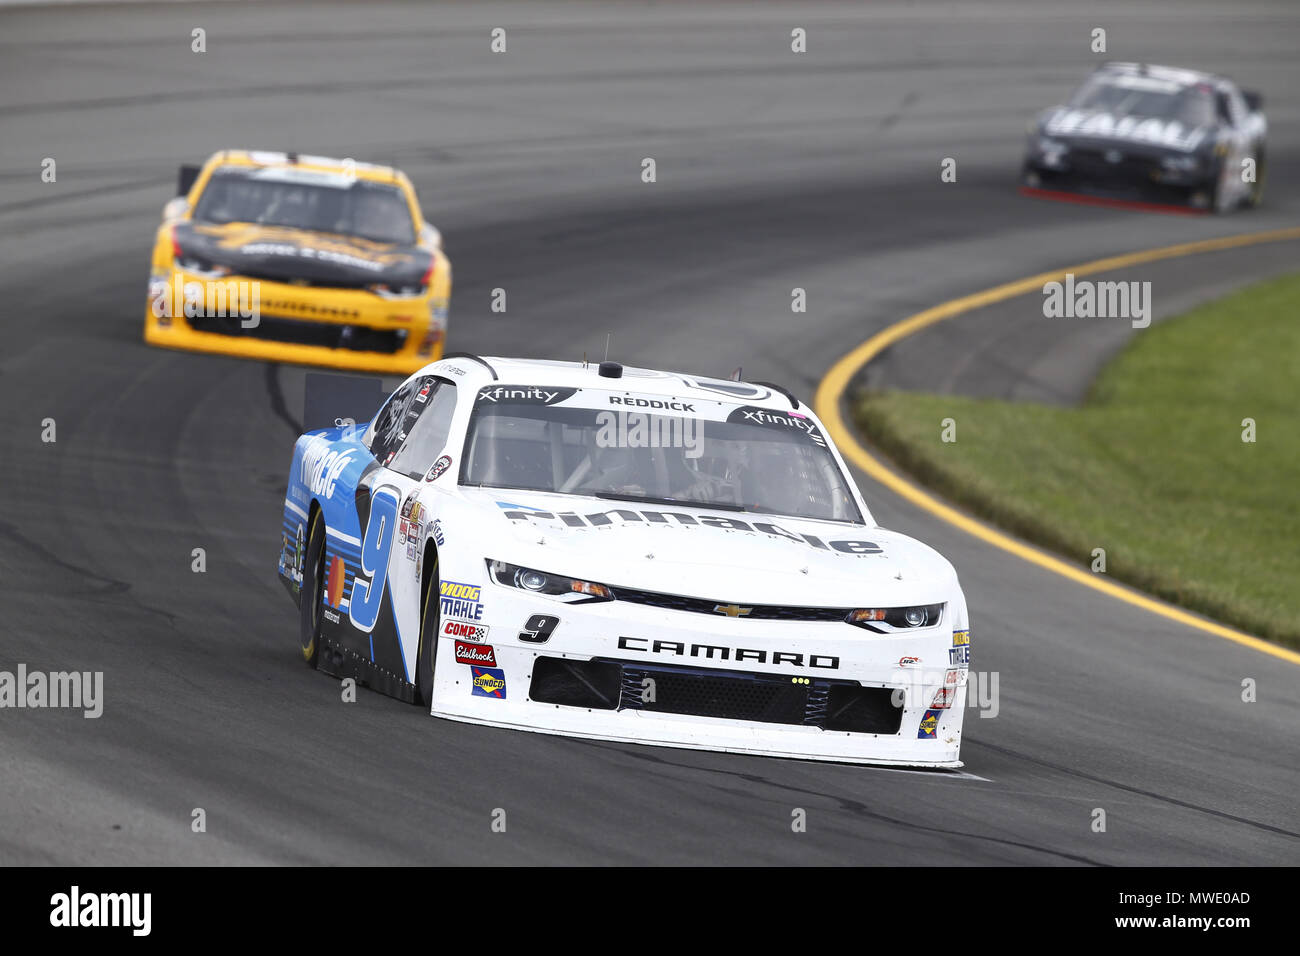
1154	133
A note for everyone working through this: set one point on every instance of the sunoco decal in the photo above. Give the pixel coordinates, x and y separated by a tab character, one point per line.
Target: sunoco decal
488	682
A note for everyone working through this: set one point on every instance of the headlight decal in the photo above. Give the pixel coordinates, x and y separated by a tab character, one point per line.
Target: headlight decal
560	586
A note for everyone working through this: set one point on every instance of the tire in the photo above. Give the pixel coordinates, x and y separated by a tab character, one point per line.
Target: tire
1220	201
1256	196
312	594
425	658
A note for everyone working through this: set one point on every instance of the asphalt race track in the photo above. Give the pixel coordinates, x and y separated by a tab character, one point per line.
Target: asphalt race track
775	170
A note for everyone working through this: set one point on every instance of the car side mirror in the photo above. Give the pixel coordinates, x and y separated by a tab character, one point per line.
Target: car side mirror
431	235
1254	100
175	208
185	179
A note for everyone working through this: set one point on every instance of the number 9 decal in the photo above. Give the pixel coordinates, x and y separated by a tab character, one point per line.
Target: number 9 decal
368	587
538	628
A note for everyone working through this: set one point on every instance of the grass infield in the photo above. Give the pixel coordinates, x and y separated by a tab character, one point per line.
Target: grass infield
1151	467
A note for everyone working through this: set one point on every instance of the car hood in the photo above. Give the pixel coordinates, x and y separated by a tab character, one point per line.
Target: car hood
1068	123
728	556
278	253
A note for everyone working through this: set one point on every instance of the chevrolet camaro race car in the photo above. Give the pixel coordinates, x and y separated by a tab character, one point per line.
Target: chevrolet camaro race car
1153	133
623	554
299	259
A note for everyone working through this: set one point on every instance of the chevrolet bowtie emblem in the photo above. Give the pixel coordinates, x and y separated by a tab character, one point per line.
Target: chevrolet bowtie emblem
731	610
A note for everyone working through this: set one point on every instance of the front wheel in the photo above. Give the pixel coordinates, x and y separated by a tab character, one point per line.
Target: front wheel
427	654
1256	196
312	594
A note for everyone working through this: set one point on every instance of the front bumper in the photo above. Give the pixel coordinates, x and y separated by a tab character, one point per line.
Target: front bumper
343	328
785	709
1132	177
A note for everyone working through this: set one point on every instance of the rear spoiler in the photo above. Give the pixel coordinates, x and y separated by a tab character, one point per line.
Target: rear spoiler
185	179
332	400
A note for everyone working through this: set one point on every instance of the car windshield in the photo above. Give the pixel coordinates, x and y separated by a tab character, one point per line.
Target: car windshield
1145	97
654	449
303	199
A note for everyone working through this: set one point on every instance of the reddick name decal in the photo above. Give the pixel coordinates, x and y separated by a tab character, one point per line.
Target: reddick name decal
628	516
663	403
723	653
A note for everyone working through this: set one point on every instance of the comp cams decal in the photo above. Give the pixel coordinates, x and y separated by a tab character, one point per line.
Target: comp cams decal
464	631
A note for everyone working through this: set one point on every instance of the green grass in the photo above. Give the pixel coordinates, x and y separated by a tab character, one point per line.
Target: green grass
1152	467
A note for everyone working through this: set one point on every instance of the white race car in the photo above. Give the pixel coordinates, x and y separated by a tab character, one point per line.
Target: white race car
623	554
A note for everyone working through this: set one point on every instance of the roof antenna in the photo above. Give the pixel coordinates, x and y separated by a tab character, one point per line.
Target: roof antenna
735	375
608	336
584	358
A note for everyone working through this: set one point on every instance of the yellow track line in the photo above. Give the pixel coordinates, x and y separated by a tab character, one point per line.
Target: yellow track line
830	393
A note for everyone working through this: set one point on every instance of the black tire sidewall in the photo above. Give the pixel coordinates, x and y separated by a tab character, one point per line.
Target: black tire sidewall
426	655
310	594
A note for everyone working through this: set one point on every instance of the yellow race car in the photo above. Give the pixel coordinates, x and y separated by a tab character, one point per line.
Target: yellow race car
299	259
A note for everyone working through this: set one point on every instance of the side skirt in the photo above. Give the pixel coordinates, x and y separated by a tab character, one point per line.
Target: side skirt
341	662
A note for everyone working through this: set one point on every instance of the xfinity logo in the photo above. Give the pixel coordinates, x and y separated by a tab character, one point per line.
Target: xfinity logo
75	909
723	653
760	417
652	403
514	393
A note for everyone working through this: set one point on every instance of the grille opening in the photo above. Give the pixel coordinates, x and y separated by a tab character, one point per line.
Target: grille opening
603	684
768	698
864	710
304	332
592	684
